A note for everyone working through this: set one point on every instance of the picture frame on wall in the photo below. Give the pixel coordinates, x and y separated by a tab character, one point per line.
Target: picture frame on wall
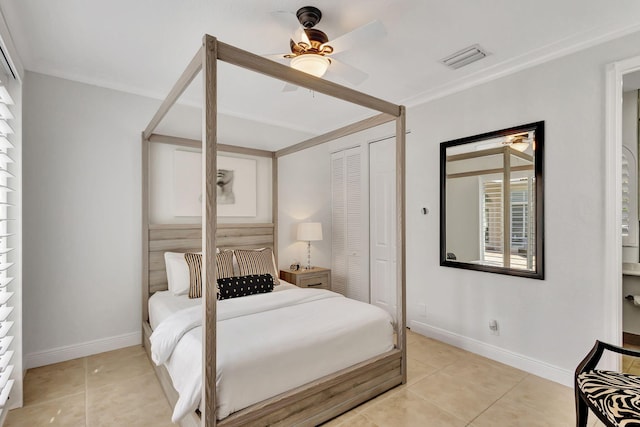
236	189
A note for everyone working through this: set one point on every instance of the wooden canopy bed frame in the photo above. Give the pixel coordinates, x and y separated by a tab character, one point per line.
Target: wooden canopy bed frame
326	397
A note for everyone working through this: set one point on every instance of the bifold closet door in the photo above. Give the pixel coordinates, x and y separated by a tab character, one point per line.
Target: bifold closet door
349	255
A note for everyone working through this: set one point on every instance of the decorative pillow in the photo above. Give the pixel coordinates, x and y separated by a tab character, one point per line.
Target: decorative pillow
194	261
258	261
224	264
224	269
233	287
177	273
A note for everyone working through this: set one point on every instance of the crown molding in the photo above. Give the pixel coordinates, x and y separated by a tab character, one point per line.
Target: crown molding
549	52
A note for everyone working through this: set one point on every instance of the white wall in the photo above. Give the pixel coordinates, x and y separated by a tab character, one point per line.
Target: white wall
82	221
463	218
546	326
82	225
304	195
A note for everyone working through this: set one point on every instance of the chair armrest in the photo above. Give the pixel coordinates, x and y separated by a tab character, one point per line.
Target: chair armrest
592	359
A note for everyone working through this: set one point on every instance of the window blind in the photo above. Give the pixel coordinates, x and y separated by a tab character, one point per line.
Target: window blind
492	228
6	264
521	236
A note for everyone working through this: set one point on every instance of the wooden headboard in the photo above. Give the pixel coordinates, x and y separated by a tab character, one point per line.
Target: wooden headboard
187	238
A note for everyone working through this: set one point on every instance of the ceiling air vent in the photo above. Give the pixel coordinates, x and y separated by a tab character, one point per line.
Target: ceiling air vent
464	57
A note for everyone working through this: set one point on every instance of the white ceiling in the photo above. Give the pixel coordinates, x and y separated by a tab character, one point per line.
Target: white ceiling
142	46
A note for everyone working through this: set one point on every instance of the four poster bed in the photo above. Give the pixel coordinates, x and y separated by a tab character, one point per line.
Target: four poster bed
351	378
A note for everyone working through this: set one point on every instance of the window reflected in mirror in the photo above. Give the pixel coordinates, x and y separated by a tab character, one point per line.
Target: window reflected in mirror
491	201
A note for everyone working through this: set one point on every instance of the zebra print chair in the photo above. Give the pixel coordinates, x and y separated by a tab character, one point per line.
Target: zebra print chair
613	396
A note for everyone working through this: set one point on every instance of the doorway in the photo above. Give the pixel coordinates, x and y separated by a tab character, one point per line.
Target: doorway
630	199
613	295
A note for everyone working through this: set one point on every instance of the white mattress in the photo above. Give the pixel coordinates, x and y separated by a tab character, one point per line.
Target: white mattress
268	344
164	303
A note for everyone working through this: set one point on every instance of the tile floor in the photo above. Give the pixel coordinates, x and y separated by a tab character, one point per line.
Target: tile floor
631	365
446	387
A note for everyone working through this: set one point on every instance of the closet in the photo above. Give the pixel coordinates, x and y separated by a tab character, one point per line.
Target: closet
363	256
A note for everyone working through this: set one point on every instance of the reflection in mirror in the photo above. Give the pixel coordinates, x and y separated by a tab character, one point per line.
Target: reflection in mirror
491	202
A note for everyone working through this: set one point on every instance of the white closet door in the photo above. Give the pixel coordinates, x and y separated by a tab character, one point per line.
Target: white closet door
349	254
382	211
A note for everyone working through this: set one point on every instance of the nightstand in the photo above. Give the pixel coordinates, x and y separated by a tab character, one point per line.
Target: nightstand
317	277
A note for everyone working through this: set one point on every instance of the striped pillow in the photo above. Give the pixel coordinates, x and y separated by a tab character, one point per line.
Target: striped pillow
224	264
194	261
258	261
224	269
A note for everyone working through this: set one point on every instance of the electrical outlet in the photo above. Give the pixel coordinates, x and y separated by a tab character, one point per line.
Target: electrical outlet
493	327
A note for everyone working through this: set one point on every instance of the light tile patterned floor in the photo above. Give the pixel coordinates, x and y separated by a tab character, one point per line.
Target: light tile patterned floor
446	387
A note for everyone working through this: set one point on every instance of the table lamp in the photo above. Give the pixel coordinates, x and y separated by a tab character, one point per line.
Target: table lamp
309	231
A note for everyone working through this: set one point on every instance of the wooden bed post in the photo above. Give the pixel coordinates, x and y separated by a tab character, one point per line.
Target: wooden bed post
209	223
506	208
145	229
274	206
401	314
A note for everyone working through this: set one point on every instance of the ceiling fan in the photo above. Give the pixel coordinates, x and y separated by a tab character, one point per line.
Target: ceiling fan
518	141
313	52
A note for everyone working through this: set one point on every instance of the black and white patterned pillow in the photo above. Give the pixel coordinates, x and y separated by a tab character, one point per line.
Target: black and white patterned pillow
233	287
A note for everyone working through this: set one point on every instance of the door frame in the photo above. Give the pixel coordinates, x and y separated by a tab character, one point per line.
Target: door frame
612	291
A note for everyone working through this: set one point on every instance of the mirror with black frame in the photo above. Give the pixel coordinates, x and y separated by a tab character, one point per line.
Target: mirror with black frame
491	202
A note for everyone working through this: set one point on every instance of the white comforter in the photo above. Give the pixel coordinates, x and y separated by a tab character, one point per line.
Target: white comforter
268	344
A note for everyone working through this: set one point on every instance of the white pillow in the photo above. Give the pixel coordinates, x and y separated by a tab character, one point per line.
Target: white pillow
177	273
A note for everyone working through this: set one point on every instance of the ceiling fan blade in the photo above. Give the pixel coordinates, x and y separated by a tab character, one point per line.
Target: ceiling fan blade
301	36
347	72
289	22
360	37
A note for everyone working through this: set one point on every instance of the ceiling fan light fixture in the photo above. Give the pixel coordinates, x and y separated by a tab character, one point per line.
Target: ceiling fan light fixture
311	63
520	145
518	142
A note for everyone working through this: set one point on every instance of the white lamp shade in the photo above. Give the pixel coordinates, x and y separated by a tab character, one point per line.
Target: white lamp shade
311	63
520	145
310	231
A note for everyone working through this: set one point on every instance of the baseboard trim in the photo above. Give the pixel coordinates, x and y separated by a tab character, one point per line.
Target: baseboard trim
75	351
519	361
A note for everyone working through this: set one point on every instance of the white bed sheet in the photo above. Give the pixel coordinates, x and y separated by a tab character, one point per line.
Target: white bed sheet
271	343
